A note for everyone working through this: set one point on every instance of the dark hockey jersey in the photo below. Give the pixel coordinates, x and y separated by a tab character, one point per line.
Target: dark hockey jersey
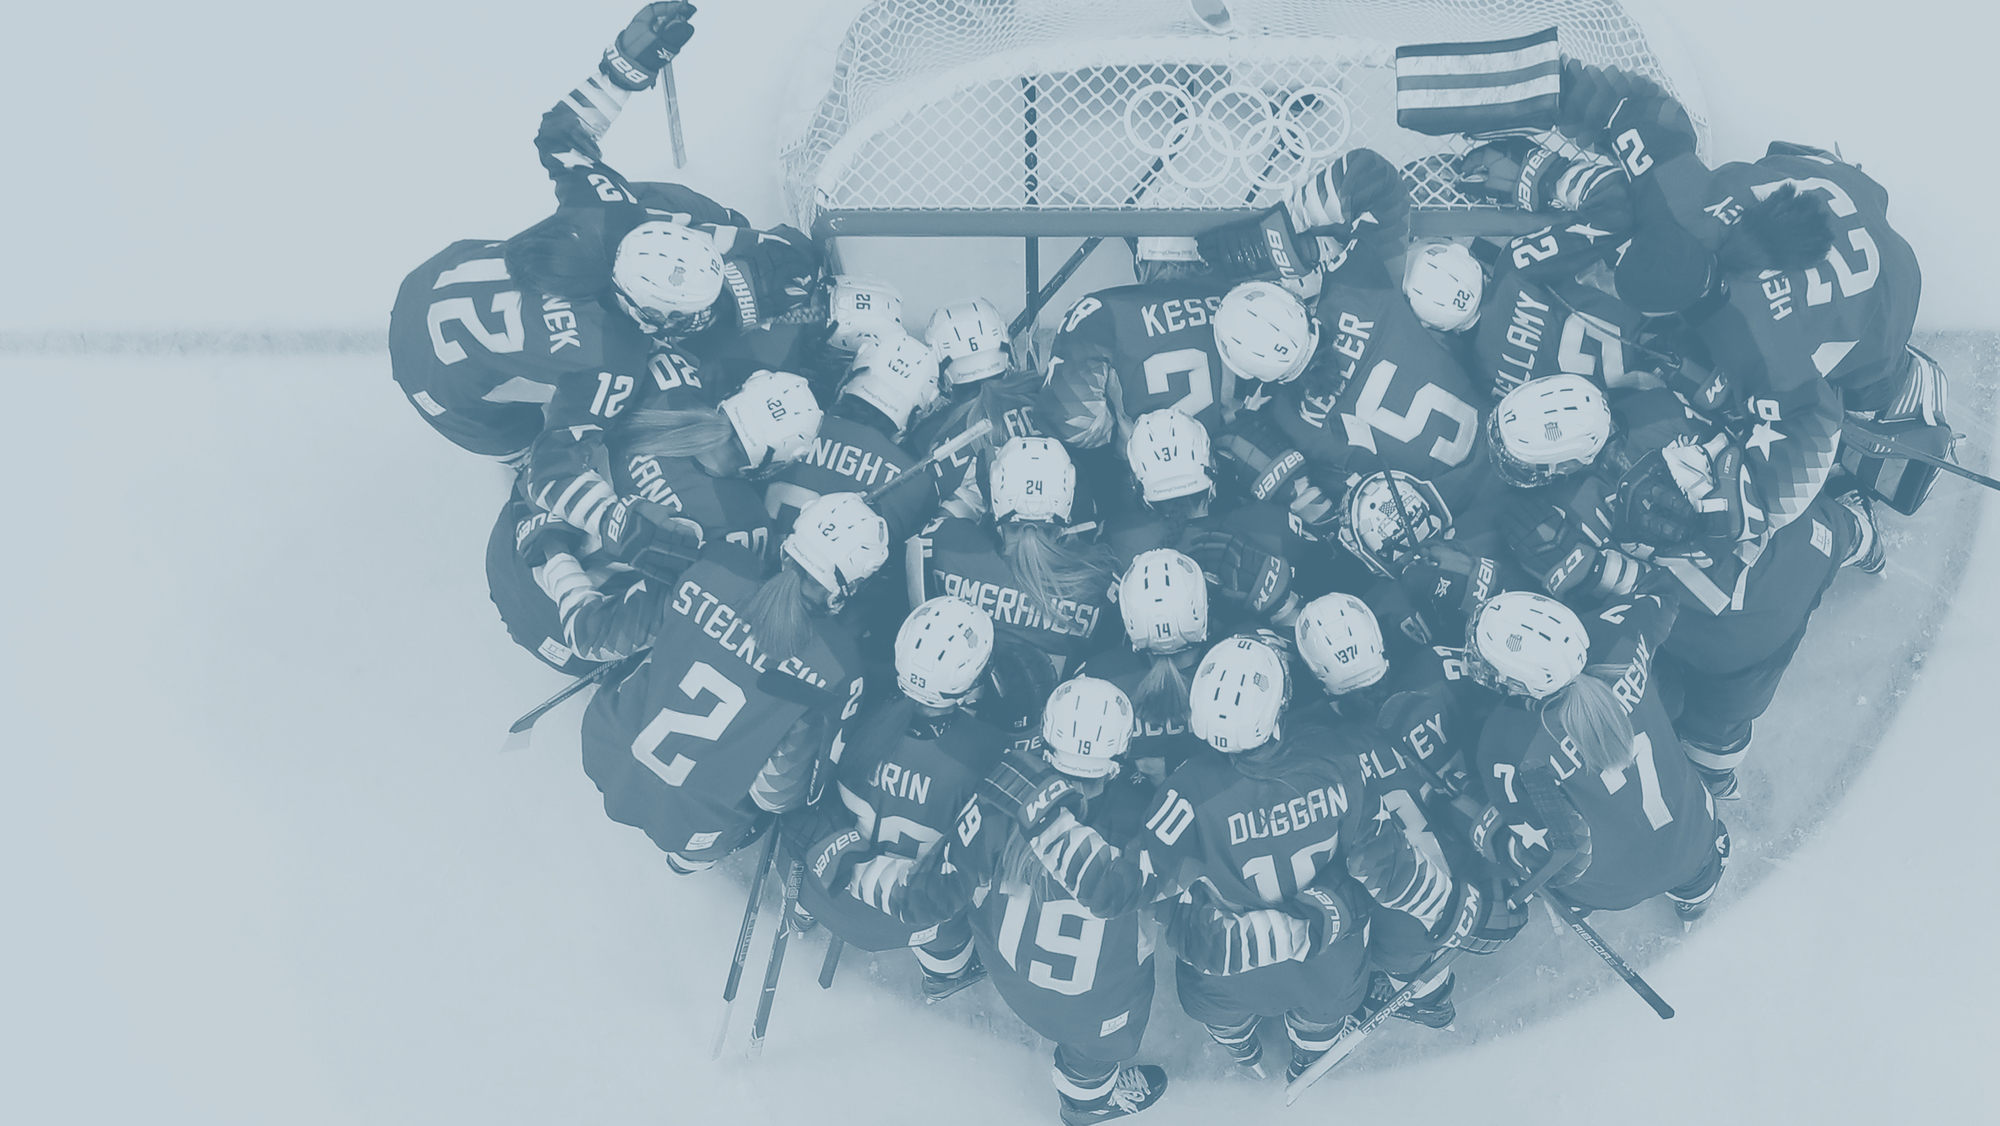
1528	329
962	559
852	457
1124	352
1643	830
678	744
1072	976
1156	748
728	509
1007	401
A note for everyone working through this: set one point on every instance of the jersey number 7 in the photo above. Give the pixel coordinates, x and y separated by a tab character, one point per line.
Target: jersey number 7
729	700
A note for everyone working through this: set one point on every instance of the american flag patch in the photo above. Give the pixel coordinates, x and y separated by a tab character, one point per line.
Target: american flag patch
1474	87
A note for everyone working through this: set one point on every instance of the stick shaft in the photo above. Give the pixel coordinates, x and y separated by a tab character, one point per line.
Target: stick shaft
575	686
776	966
832	963
1886	444
743	937
970	435
671	94
1596	942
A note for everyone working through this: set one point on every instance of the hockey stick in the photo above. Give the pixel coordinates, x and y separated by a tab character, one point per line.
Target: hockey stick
518	735
832	963
965	438
777	963
1887	445
1592	939
673	99
743	935
1344	1045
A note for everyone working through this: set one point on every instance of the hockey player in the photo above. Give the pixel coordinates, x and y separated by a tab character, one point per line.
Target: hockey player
894	381
1163	601
1581	755
904	768
1041	587
715	730
1081	980
1185	345
1265	819
983	384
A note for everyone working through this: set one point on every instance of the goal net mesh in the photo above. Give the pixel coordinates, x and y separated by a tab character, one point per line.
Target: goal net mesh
1116	106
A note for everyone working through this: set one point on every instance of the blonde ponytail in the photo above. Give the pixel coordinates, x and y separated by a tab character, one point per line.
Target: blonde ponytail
1162	697
1050	572
1592	715
663	433
778	614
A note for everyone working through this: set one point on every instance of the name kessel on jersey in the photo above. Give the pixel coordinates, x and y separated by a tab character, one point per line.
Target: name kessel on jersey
1178	315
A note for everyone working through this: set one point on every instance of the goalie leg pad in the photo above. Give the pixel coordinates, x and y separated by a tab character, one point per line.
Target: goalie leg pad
1896	481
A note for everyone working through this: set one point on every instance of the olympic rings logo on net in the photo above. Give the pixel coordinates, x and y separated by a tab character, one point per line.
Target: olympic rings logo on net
1201	143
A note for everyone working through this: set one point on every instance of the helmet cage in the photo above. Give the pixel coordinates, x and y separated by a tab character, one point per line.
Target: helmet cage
1406	494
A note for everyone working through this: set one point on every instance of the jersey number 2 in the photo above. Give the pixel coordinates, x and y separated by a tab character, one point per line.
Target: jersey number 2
1191	364
701	677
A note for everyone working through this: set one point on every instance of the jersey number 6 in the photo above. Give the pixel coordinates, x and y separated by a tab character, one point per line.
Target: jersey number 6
701	677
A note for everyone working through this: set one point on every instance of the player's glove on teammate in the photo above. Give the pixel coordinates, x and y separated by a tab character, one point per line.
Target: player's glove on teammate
544	535
1445	584
650	539
1268	465
648	44
1246	574
767	274
1480	919
1026	787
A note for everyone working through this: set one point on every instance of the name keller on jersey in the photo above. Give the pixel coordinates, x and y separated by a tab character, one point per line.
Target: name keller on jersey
1351	340
1288	817
1005	604
720	621
1178	315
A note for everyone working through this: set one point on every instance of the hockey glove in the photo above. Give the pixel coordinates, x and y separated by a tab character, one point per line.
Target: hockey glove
1260	247
830	859
544	535
650	540
1650	507
876	879
1706	473
1445	584
767	274
1218	941
647	44
1266	464
1245	573
1480	920
1027	787
1332	914
1019	680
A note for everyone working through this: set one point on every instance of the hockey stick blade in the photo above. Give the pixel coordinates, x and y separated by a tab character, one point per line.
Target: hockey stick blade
972	434
672	96
1886	445
744	934
519	734
1596	942
832	963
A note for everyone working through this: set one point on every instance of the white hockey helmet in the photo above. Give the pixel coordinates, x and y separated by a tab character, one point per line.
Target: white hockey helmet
1164	601
1547	428
1341	642
840	542
1525	644
1168	453
896	374
1086	725
971	338
1239	695
1262	332
1032	479
666	277
1444	284
942	650
1387	514
776	418
859	309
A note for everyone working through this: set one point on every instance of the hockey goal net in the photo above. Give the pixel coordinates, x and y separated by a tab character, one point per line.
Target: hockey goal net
1130	117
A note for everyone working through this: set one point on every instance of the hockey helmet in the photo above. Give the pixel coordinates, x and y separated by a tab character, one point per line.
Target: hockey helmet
1168	453
896	374
1387	514
1341	642
1239	695
839	541
1164	601
1444	284
776	419
1262	332
1085	727
942	650
666	277
1525	644
1032	479
1547	428
859	309
971	338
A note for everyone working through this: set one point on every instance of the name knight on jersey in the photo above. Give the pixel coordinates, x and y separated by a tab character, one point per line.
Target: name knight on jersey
720	621
1005	604
1174	316
1288	817
850	461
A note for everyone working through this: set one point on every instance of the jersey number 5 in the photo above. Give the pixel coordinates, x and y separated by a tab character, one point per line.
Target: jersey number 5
701	677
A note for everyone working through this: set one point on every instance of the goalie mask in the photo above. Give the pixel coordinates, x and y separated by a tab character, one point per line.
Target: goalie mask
1239	695
971	338
1168	453
776	419
838	541
666	277
1032	479
860	309
896	374
1164	601
942	650
1341	642
1085	727
1262	332
1547	428
1444	284
1387	515
1525	644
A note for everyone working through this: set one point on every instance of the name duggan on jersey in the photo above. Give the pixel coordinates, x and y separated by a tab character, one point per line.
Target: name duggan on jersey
1005	604
1288	817
720	621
